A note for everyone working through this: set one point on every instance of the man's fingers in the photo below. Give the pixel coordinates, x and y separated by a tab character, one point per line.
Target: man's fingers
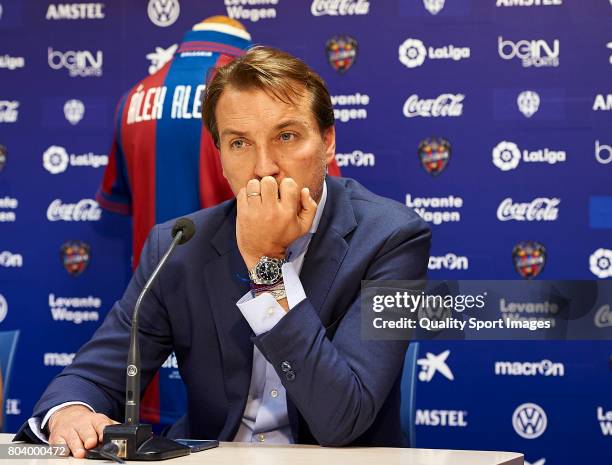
75	444
289	193
253	187
269	190
309	209
100	423
88	436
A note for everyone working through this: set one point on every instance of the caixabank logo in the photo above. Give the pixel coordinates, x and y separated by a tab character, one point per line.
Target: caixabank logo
9	111
432	364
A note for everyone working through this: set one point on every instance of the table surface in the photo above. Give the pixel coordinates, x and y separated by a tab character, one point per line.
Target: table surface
229	453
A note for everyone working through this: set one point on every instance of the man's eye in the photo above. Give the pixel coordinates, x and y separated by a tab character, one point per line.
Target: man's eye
287	136
237	144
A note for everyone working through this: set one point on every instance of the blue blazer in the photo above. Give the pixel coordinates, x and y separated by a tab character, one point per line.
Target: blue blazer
344	390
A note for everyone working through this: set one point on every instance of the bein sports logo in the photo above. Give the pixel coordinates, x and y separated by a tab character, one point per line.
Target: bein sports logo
507	155
80	63
532	53
600	263
432	364
412	53
528	103
163	13
74	110
433	6
599	148
529	421
160	57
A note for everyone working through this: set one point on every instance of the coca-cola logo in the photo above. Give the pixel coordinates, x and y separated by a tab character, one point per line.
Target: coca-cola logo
540	209
340	7
445	105
603	317
83	210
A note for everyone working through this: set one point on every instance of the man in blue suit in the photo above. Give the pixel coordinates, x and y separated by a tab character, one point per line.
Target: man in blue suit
262	306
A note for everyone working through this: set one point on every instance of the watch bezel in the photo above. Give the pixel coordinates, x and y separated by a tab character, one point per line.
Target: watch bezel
257	272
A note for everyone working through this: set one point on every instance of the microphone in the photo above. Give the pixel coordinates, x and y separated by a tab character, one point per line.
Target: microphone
133	440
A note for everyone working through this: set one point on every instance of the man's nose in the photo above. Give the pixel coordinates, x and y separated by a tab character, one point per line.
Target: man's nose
265	163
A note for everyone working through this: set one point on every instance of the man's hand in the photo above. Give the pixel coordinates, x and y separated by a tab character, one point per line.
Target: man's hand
77	427
267	223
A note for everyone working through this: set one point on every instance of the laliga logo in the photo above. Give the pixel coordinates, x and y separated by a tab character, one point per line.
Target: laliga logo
163	13
528	103
529	421
3	308
412	53
74	111
434	6
506	155
55	159
160	57
600	263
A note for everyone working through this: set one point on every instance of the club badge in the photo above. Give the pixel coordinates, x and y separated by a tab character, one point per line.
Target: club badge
75	256
341	52
529	258
434	154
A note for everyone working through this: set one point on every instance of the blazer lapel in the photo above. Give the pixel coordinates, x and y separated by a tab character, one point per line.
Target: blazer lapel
224	282
328	247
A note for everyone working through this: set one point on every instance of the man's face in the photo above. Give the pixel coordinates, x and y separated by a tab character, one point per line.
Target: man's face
260	135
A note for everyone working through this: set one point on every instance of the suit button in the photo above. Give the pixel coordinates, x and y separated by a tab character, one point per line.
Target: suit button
285	366
290	375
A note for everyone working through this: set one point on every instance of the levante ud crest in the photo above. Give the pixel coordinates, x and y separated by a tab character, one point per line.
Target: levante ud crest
434	154
341	52
529	258
75	256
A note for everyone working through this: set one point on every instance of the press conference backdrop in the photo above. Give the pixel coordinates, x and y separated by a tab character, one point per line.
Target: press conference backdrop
492	118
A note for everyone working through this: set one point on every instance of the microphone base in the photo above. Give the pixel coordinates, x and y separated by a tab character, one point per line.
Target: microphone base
136	442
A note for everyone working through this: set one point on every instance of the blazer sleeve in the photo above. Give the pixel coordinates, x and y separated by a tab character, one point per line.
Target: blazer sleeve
97	374
340	385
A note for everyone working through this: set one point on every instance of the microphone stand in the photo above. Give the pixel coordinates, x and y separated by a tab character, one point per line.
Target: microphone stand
133	440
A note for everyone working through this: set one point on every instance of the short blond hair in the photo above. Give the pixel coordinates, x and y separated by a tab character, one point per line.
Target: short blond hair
273	71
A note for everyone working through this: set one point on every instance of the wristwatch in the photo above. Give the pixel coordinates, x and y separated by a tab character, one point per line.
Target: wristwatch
267	271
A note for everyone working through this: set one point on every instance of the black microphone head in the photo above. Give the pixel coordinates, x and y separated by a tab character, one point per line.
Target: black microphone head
185	225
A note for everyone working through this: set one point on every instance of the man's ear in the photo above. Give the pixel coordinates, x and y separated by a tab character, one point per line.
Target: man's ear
329	140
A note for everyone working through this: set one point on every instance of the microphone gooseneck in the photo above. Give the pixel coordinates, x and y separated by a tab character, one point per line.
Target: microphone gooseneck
182	231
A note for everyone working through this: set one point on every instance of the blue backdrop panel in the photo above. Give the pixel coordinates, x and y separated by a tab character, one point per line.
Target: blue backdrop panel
511	98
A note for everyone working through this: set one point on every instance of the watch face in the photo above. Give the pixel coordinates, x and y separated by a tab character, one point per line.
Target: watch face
268	271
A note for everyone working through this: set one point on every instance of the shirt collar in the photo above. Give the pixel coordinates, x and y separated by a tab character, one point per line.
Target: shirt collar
320	207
